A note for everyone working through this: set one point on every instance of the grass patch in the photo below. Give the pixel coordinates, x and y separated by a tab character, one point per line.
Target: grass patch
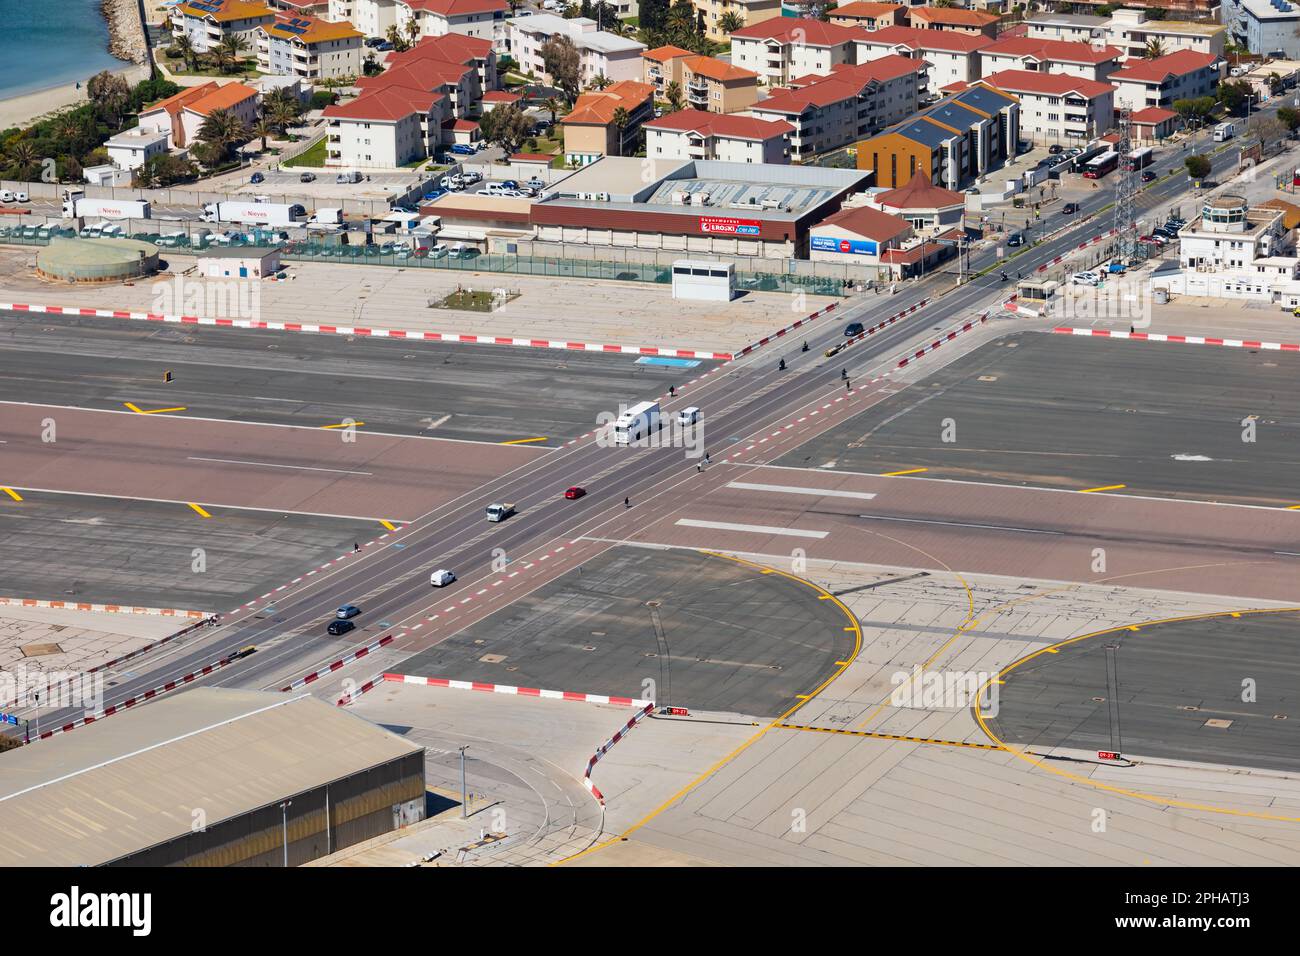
466	300
313	156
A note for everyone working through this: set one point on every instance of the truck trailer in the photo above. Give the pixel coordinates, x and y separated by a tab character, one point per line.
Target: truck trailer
255	213
76	205
636	423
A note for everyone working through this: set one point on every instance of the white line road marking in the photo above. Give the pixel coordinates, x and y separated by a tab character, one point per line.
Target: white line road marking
797	490
267	464
755	528
961	524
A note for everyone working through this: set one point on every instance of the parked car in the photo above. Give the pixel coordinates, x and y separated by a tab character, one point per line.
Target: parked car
1056	149
406	210
442	577
337	627
577	491
1085	278
433	194
347	611
307	178
463	149
436	251
535	183
20	196
256	178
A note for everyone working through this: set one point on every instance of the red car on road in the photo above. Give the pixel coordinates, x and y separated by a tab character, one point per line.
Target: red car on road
575	492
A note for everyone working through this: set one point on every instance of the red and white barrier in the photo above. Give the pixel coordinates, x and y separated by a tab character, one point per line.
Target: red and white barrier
1180	339
340	663
149	647
947	338
1083	245
105	608
367	332
513	691
781	333
605	747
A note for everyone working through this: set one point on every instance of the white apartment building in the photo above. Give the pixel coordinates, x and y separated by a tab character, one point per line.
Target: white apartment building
1055	108
436	18
728	137
852	103
309	49
1162	81
1234	251
371	17
600	53
1067	27
952	57
1092	61
132	148
1131	31
208	22
783	48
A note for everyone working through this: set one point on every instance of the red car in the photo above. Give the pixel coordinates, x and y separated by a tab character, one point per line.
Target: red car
575	492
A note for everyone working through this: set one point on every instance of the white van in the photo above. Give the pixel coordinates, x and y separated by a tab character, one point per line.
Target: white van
688	416
352	176
496	189
1085	278
1224	132
442	577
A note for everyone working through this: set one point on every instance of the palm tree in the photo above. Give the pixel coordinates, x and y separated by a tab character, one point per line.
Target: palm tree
188	54
600	81
730	22
551	105
263	128
413	29
229	52
223	129
673	93
1155	49
281	108
23	157
620	121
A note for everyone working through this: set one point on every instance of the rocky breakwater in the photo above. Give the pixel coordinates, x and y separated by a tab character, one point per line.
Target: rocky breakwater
126	36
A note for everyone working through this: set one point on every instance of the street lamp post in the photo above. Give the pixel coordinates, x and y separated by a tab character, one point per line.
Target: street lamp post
464	795
284	831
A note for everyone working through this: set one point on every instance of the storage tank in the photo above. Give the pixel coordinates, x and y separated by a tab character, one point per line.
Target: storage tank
97	260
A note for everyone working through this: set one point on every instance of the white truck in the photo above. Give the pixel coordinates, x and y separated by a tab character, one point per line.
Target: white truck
255	213
76	205
636	423
498	512
1224	132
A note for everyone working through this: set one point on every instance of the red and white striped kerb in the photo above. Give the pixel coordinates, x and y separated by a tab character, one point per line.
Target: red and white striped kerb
368	332
515	691
781	333
605	747
105	608
340	663
947	338
1180	339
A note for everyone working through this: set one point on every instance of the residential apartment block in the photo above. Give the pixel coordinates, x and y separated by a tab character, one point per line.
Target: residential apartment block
696	134
1056	108
591	129
1132	31
1162	81
309	48
781	49
1269	27
952	142
180	116
849	104
208	22
436	18
1093	61
952	57
600	53
955	19
711	12
706	83
371	17
869	15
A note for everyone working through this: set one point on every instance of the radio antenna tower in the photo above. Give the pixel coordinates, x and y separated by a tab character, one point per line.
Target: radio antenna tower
1126	188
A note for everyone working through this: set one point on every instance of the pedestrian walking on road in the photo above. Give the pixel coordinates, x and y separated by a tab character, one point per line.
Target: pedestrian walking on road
672	391
356	547
847	385
627	502
699	466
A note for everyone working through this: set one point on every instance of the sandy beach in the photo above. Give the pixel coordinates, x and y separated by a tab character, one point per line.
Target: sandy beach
25	109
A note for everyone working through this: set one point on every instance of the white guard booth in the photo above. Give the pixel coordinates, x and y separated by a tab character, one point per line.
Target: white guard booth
699	279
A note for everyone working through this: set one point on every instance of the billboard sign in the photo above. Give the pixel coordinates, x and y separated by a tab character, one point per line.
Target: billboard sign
857	247
726	226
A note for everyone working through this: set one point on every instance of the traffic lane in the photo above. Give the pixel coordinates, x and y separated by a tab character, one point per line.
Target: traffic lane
452	390
308	470
398	572
1040	535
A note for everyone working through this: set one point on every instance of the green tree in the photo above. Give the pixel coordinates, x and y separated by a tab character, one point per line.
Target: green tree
620	120
281	109
673	92
1290	118
730	22
224	130
163	170
1155	49
110	95
185	46
506	126
552	106
229	52
1198	167
1235	95
563	62
600	81
397	38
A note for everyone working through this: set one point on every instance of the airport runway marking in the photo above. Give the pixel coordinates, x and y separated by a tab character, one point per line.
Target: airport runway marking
12	494
345	425
745	745
152	411
267	464
199	510
754	528
909	471
1088	491
388	524
1031	759
898	737
524	441
799	490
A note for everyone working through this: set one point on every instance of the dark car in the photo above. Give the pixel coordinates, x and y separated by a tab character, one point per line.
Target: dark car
853	328
577	491
1148	176
347	611
338	627
1015	239
1055	149
307	178
1070	208
256	178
